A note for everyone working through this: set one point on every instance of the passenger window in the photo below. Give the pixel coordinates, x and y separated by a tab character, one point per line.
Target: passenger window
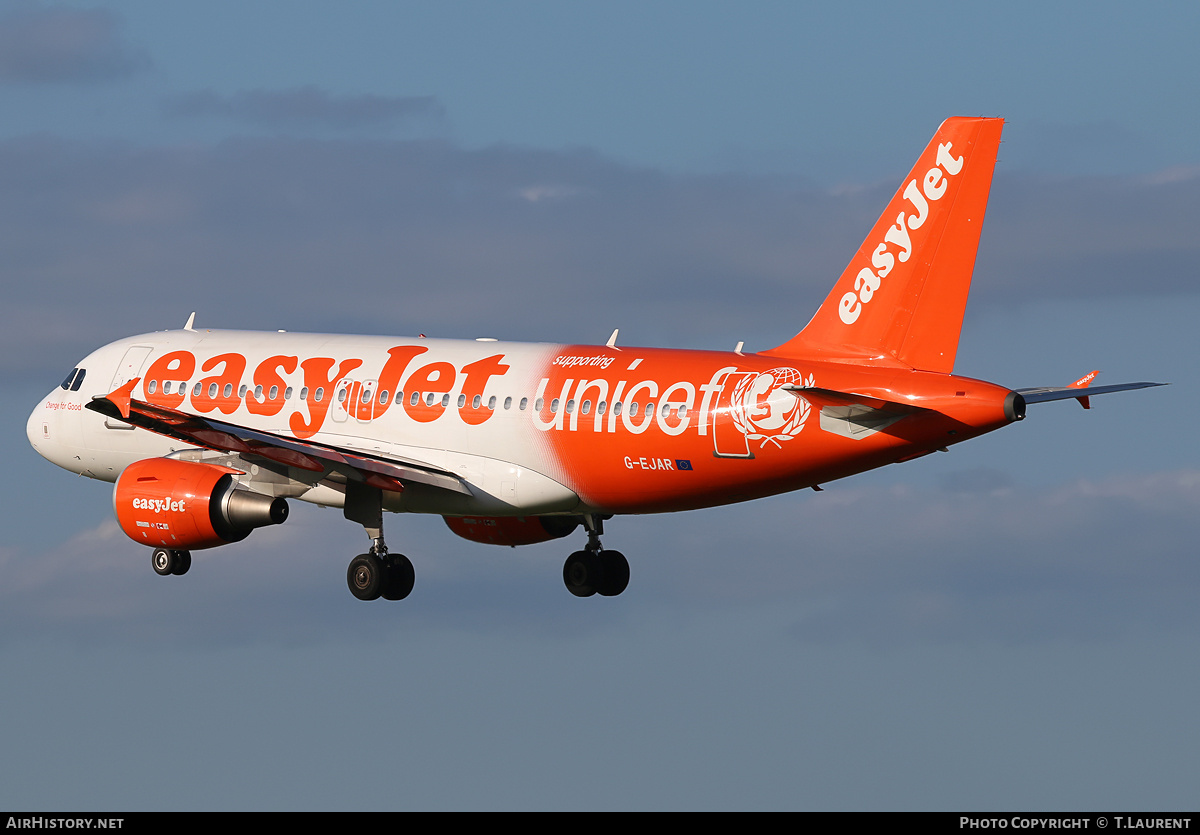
212	389
196	389
287	393
462	400
476	400
341	395
554	405
524	403
383	398
228	390
507	403
492	403
151	387
587	407
320	394
241	391
412	401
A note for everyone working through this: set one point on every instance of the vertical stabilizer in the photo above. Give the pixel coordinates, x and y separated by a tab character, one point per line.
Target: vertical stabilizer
902	298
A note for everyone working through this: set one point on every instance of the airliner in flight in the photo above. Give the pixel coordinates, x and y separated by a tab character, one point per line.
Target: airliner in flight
208	433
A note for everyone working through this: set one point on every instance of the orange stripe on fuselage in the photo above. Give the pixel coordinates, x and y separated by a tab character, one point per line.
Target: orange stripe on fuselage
739	434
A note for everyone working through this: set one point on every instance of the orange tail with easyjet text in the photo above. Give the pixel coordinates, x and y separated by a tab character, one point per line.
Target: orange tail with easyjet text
902	298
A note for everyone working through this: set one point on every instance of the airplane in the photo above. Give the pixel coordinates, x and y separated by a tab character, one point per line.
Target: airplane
207	434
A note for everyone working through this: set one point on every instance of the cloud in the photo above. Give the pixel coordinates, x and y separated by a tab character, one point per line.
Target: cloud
1090	561
308	107
59	44
427	237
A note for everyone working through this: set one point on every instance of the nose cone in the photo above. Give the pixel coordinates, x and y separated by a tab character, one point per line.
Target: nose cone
37	428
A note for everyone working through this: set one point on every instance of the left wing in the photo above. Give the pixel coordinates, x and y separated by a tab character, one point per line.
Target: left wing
387	473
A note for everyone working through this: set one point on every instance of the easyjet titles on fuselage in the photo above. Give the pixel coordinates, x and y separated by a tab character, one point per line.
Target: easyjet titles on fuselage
424	392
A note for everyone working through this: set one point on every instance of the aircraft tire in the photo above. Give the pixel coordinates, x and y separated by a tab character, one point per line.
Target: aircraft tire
163	561
582	573
399	577
615	577
365	577
182	562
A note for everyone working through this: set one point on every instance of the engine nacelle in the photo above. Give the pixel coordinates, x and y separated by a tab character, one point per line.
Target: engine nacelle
187	506
512	530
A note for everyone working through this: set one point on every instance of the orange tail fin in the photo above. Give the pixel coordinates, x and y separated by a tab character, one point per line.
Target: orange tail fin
902	298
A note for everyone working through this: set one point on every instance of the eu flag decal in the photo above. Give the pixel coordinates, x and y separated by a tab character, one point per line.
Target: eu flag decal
683	464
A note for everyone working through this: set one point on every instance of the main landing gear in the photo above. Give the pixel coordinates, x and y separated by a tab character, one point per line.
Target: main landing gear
594	570
376	573
167	561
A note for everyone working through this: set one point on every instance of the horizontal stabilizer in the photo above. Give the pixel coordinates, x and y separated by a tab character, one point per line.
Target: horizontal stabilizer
1044	395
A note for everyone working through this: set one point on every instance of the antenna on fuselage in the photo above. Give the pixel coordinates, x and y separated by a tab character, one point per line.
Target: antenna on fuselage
191	321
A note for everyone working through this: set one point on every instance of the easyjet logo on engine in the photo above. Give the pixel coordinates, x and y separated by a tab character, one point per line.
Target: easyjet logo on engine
160	505
933	188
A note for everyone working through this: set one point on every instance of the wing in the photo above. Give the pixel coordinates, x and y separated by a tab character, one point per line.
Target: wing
385	472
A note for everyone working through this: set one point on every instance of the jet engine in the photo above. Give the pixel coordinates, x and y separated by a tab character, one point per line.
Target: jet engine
183	505
512	530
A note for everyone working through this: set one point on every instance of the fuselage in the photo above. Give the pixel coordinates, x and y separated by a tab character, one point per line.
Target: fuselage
533	428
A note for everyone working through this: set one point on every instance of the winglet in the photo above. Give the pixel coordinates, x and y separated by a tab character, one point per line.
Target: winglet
1082	383
120	398
190	322
612	340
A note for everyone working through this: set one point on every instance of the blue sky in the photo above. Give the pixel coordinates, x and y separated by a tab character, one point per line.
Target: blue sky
1010	625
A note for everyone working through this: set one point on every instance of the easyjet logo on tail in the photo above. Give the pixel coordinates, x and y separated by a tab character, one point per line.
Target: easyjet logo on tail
883	259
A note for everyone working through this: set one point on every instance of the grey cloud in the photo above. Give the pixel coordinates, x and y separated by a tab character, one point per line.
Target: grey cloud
423	236
865	565
59	44
308	107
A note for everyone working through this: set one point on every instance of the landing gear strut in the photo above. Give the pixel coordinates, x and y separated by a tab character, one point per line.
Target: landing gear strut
594	570
376	573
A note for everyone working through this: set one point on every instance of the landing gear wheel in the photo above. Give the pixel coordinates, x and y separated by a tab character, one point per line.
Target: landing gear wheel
398	577
615	576
365	577
163	560
583	573
182	562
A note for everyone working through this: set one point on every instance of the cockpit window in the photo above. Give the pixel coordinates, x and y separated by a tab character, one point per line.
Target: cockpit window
74	380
